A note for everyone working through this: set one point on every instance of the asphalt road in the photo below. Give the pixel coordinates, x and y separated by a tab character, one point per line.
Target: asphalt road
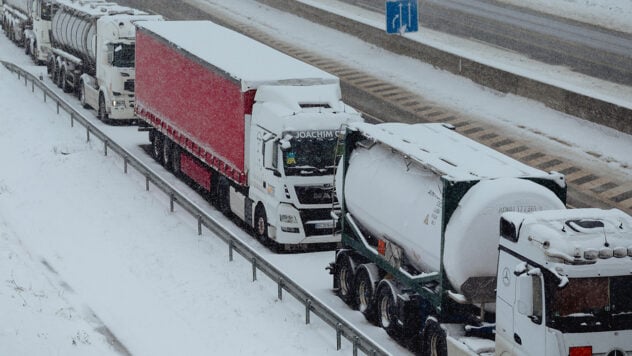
584	48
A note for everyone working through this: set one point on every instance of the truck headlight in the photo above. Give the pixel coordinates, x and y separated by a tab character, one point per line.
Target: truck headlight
118	103
288	219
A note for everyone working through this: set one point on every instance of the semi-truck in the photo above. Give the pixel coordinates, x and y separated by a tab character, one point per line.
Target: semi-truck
254	128
92	54
27	22
459	250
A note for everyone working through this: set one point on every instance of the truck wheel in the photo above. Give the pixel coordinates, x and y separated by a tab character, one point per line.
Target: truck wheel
388	310
167	154
434	340
102	113
157	147
261	225
223	197
27	46
365	292
175	161
64	83
345	275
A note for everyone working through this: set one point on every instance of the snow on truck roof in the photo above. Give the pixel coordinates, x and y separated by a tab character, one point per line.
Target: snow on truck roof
99	7
439	148
242	58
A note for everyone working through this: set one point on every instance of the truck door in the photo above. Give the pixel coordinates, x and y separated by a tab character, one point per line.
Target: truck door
529	327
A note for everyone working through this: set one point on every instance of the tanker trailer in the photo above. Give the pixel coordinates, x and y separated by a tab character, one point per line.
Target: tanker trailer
421	207
16	19
92	54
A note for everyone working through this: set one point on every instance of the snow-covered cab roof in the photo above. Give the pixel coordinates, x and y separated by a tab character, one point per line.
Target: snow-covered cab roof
573	236
439	148
239	57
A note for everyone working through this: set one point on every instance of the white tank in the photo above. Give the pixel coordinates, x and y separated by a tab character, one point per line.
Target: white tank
75	33
401	201
22	5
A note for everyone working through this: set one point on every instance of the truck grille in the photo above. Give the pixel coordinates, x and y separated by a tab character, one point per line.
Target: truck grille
311	216
129	85
315	194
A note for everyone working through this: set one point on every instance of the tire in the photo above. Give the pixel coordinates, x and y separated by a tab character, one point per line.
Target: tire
261	225
82	96
223	198
175	161
364	291
388	309
27	46
60	78
64	83
434	340
344	278
167	154
156	145
102	113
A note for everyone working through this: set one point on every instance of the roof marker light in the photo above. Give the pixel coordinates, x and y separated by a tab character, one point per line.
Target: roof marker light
620	252
605	253
591	254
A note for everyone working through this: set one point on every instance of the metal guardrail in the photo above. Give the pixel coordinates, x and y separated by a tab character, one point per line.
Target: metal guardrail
359	340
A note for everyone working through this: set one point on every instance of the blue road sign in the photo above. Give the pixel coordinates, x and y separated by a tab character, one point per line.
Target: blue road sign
401	16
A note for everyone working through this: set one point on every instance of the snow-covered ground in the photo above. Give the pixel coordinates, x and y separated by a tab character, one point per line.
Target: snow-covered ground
86	255
612	14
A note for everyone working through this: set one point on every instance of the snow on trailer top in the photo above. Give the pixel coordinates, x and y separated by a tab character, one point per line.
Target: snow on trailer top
439	148
97	8
241	58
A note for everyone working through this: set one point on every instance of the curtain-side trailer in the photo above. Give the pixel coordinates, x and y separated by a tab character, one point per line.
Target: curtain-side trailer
255	128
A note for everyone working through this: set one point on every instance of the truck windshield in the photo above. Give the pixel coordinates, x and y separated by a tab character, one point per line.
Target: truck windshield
123	55
310	156
592	304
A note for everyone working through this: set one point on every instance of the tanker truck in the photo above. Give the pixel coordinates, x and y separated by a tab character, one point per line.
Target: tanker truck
92	55
457	249
255	129
27	22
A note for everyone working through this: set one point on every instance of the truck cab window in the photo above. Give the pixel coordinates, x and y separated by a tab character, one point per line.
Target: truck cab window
122	55
536	317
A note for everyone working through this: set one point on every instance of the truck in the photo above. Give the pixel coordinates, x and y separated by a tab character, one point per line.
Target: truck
27	22
254	128
92	55
456	249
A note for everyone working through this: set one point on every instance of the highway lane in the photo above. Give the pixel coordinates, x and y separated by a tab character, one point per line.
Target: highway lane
586	49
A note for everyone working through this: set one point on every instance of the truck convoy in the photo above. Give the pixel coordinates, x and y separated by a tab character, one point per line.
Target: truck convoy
467	252
27	22
92	54
255	128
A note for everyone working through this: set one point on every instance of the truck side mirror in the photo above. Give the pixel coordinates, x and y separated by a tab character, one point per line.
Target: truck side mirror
525	294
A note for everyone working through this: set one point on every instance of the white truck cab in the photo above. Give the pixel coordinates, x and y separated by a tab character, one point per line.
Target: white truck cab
564	283
292	160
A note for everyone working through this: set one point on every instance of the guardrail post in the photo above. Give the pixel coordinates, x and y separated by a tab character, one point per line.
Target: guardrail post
44	95
25	81
147	183
72	120
125	164
254	269
308	306
280	289
230	251
87	134
172	198
19	75
199	219
338	336
355	345
33	87
58	108
105	147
